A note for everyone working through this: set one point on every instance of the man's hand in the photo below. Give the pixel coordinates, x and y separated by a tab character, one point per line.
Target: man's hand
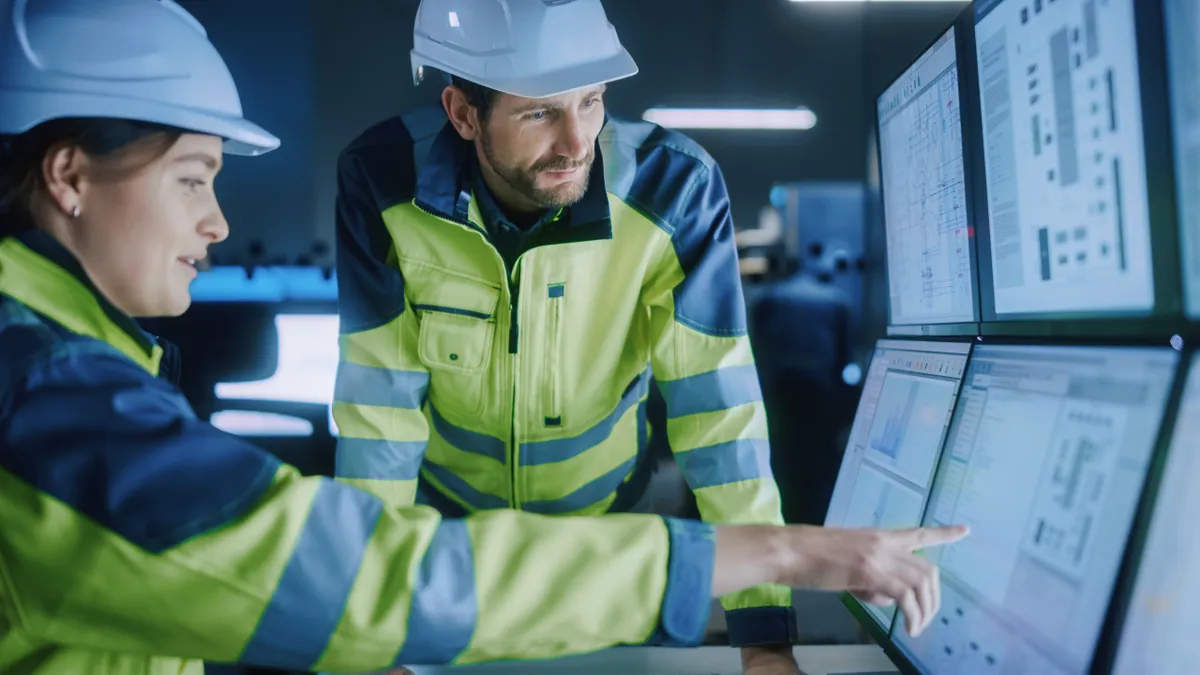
878	566
772	660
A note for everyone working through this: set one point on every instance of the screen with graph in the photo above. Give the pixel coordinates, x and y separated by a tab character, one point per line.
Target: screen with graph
1064	158
1183	66
1045	461
896	437
929	260
1159	635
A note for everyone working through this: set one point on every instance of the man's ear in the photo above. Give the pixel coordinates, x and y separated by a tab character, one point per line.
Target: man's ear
64	168
462	114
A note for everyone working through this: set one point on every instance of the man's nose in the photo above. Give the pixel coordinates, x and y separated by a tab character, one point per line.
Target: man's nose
572	141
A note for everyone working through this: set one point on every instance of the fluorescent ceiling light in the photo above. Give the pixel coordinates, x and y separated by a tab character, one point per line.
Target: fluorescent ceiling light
827	1
732	118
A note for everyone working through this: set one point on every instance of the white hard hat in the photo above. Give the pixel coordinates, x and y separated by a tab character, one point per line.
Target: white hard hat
529	48
145	60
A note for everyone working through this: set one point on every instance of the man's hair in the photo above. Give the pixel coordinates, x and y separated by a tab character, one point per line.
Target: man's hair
479	96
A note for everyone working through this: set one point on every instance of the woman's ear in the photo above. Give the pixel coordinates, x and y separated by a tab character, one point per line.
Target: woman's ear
64	173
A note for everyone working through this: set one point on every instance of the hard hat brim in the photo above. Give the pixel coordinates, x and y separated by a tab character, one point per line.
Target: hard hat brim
559	82
24	110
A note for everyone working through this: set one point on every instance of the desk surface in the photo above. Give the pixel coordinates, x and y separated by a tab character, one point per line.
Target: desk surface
813	660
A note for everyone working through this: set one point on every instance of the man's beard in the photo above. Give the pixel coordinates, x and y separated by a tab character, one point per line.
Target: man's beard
524	181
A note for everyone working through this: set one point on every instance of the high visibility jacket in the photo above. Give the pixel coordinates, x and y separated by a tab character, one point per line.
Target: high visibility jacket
527	390
137	540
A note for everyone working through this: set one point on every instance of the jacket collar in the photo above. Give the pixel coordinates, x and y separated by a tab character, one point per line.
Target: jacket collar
445	186
42	274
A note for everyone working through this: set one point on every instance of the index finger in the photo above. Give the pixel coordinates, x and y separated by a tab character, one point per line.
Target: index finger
924	537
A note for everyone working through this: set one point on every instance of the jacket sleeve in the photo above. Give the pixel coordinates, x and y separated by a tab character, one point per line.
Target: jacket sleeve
702	360
381	383
130	526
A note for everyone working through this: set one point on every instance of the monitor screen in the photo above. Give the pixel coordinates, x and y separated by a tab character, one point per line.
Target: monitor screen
1160	627
930	277
1183	66
1045	461
308	362
1064	158
896	438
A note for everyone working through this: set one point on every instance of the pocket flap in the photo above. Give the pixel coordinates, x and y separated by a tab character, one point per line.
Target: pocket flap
452	294
455	342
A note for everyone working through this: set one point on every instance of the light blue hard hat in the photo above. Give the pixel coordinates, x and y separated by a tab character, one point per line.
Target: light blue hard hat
529	48
145	60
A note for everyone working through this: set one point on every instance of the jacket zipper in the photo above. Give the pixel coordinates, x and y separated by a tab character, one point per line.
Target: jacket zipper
513	329
515	448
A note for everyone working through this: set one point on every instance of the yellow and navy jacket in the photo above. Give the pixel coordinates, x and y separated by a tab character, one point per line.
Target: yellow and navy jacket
524	385
137	540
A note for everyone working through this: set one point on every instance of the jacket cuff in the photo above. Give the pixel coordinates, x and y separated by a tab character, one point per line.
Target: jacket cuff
687	602
757	626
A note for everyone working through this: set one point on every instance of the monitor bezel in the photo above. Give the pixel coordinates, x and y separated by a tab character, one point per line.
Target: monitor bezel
1104	658
1167	316
964	49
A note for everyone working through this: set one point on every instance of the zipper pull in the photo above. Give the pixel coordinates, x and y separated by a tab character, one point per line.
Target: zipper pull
512	327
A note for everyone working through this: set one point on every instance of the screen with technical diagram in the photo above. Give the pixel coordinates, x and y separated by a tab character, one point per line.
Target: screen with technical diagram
1064	158
931	277
1045	461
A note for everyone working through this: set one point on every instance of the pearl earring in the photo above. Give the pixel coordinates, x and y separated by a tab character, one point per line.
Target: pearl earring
75	212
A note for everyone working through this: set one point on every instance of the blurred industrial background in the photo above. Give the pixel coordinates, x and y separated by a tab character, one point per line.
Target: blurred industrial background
260	347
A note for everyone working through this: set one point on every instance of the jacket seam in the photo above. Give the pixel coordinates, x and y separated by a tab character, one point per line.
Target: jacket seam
13	607
424	264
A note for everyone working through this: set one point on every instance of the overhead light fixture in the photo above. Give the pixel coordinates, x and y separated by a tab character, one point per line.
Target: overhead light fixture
732	118
829	1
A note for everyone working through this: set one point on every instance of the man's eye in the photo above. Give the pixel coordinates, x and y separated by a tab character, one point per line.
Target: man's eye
538	115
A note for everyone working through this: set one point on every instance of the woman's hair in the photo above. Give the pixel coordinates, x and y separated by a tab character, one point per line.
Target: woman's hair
21	157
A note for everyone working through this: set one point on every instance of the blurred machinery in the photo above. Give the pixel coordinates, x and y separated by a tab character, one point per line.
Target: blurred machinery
802	269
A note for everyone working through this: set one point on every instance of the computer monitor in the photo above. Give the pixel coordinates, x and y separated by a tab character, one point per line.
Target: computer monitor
1159	632
896	439
1045	461
1183	67
1064	154
308	362
930	252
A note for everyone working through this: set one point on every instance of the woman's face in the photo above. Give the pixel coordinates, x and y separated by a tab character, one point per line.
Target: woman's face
143	225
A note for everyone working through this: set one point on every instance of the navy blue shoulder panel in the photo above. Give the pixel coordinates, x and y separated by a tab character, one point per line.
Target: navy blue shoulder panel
675	183
130	454
375	173
24	336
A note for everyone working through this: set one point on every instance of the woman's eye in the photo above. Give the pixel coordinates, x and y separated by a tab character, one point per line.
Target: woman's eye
192	183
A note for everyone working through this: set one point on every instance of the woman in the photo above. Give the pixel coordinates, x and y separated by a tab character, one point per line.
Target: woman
138	539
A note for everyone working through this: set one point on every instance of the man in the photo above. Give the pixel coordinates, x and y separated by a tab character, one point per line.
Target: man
517	265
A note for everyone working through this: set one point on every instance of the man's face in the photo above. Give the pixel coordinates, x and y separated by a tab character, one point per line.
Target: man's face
541	150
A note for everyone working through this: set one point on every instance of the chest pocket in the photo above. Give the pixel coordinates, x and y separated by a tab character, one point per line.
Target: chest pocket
457	336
